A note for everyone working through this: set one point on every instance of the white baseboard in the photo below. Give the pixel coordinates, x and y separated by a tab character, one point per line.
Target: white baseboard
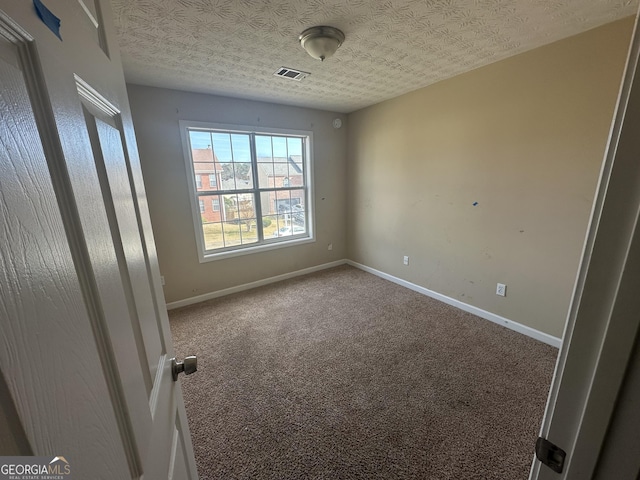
248	286
492	317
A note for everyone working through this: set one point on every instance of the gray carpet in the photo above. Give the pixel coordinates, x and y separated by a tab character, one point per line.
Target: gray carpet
342	375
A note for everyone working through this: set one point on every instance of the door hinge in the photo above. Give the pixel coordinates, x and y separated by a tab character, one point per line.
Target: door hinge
549	454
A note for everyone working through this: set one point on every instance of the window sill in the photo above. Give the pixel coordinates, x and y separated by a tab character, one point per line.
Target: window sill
211	257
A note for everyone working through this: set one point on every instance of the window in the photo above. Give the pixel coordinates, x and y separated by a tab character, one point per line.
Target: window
259	188
198	181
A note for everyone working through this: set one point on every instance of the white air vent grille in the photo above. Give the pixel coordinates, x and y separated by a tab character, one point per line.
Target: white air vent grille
291	74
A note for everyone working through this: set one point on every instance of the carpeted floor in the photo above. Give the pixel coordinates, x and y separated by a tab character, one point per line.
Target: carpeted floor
342	375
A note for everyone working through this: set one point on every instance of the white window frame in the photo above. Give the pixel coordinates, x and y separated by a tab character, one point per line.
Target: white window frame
270	244
201	207
215	204
215	180
198	181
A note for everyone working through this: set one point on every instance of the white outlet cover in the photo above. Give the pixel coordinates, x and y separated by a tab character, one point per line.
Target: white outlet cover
501	289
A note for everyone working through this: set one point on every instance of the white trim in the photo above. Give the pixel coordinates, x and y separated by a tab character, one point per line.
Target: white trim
492	317
249	286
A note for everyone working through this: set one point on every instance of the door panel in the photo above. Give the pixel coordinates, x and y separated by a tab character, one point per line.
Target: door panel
116	193
91	19
178	466
86	353
117	172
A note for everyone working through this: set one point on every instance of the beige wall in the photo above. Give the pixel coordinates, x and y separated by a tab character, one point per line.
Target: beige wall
524	138
156	113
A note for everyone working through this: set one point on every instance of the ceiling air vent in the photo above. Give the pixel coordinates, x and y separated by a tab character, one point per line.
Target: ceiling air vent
291	74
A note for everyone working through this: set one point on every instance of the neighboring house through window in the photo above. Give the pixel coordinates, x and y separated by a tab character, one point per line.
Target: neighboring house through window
259	188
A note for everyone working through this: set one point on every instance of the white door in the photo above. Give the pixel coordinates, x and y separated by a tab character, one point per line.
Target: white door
85	347
604	317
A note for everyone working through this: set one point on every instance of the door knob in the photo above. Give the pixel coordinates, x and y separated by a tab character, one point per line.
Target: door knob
189	366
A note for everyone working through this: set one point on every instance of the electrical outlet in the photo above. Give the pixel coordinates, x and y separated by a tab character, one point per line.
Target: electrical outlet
501	290
405	260
330	246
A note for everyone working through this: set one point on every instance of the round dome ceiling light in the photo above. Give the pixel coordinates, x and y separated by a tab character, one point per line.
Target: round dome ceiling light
321	42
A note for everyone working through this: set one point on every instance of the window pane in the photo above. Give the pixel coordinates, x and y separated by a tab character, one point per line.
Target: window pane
286	227
241	153
294	146
243	176
279	149
213	237
239	217
207	211
205	165
236	176
199	140
298	212
267	203
263	148
241	149
282	221
296	174
202	160
227	177
297	200
280	172
283	202
231	234
264	157
247	218
269	225
230	207
296	179
266	178
249	232
222	146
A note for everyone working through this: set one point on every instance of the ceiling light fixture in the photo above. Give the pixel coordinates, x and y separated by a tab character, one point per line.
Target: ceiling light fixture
321	42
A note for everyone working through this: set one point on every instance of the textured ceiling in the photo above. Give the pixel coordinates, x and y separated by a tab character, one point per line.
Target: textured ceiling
232	48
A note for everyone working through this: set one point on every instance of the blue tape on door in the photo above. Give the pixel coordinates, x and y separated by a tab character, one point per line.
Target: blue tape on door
48	18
